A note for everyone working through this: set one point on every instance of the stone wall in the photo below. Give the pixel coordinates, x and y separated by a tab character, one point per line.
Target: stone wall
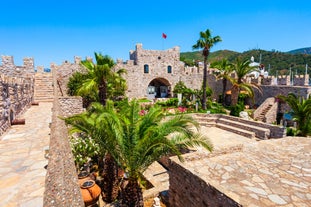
61	182
187	189
62	73
273	91
20	86
16	96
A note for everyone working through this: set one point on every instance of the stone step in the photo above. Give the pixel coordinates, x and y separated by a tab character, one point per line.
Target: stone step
207	123
239	131
262	133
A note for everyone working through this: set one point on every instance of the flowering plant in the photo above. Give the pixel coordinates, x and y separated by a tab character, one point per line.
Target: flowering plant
83	149
182	109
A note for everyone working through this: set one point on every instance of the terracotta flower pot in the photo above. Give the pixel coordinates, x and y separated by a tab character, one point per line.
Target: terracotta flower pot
90	192
83	176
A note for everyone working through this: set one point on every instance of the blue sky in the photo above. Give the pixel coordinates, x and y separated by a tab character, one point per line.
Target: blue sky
55	31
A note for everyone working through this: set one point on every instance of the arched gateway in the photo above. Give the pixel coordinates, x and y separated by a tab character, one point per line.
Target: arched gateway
159	88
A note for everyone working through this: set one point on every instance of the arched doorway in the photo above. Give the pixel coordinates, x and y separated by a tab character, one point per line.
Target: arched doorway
159	88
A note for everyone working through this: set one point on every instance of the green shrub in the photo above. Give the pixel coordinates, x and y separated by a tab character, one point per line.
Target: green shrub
235	110
168	103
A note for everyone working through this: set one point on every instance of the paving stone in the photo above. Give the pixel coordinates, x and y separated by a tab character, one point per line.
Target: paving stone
276	199
22	159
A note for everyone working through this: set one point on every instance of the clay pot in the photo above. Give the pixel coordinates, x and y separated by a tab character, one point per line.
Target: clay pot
90	192
83	176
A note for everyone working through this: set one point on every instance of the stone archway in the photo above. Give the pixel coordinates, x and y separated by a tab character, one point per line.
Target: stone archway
159	88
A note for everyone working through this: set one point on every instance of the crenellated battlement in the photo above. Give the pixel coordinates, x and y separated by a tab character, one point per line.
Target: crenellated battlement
282	80
8	68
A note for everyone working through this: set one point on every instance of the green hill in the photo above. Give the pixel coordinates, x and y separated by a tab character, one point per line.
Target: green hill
275	62
306	50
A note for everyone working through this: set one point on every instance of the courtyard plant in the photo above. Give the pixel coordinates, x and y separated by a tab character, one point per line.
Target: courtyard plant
300	111
225	69
135	140
98	81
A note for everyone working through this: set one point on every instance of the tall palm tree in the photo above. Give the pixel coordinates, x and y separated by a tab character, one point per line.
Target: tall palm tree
135	141
98	77
301	112
225	69
241	69
206	41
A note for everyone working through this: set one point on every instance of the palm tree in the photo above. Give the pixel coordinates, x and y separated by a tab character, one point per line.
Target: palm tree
87	123
301	112
225	69
136	140
241	69
117	85
206	41
99	76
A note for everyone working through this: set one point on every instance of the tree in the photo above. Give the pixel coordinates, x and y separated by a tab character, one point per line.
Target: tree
135	140
301	112
241	69
206	41
225	69
88	124
100	79
75	82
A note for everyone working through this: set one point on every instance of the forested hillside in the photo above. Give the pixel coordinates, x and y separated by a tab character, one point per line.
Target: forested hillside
275	62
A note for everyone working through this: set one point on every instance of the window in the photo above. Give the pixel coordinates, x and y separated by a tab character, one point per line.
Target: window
169	69
146	68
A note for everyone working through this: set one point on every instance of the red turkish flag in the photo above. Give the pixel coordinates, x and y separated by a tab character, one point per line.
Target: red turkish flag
164	35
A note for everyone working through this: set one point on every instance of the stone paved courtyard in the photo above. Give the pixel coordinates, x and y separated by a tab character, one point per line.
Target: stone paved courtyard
256	173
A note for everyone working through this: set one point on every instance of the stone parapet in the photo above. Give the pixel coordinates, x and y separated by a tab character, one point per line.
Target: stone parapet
61	184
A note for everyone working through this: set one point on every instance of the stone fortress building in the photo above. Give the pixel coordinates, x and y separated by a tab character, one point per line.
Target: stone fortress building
153	74
150	74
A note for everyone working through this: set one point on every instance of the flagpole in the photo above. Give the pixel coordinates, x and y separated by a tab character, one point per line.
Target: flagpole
163	38
162	43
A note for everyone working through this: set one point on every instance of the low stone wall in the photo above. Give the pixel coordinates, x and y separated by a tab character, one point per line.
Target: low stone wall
61	184
189	190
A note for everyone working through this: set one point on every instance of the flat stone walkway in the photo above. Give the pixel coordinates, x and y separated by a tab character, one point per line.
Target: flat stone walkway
22	150
275	172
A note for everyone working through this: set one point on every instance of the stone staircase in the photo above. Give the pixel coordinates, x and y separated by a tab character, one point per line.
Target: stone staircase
44	90
247	128
267	111
262	115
